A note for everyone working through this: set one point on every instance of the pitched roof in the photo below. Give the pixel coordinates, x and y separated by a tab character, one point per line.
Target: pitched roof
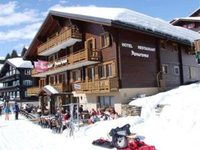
127	17
18	62
195	12
119	17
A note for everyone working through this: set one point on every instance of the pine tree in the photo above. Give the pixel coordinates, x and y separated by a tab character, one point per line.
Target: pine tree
7	56
14	54
23	51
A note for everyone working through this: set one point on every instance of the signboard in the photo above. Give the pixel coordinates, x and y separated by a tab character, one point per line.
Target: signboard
139	50
77	86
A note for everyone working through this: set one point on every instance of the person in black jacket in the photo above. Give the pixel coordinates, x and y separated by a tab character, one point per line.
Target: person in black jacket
16	110
0	110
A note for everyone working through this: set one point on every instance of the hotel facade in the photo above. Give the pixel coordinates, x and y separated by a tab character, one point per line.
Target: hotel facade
106	60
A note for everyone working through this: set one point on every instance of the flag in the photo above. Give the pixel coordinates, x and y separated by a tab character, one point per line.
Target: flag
41	66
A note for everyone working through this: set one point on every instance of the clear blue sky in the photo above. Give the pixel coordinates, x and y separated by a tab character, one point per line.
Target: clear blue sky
20	19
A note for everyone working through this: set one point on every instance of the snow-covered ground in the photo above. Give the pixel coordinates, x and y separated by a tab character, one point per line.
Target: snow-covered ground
176	127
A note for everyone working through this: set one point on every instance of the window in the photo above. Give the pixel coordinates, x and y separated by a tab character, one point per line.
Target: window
18	93
165	69
60	78
13	94
105	70
51	79
176	70
10	94
109	70
105	101
27	82
76	75
90	44
189	25
102	71
17	72
16	82
91	73
91	47
105	40
25	94
41	82
27	72
193	73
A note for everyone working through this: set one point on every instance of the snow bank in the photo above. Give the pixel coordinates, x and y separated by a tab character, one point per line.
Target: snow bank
176	127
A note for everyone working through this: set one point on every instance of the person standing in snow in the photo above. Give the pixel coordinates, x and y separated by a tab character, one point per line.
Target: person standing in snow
7	110
0	110
16	110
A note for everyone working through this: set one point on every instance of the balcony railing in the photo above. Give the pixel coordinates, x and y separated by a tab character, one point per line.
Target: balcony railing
59	38
60	87
70	60
33	91
105	85
9	77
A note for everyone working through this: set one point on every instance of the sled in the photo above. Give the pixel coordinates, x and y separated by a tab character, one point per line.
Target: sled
103	143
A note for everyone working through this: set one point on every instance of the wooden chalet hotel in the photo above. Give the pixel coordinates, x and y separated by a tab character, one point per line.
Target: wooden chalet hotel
105	56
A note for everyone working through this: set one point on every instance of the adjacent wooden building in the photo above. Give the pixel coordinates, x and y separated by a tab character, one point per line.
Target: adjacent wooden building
15	77
105	59
191	22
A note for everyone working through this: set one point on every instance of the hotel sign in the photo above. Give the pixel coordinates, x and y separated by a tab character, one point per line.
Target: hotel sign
133	53
139	51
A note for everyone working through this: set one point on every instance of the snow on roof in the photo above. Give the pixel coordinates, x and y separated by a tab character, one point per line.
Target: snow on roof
18	62
197	19
50	89
129	17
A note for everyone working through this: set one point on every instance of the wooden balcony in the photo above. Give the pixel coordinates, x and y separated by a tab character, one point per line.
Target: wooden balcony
33	91
75	60
60	40
105	85
61	87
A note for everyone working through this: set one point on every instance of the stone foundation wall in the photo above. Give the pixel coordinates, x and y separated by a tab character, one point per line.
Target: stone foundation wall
128	110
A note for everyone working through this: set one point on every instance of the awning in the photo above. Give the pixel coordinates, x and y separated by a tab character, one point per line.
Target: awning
49	90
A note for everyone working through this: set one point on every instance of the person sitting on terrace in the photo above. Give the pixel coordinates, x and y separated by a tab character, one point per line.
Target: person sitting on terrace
113	113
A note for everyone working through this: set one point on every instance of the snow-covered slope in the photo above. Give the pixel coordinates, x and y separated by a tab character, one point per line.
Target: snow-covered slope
176	127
